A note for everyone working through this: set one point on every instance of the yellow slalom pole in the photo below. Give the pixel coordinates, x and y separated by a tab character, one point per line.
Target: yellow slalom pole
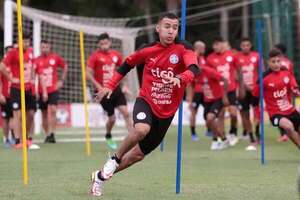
24	138
86	114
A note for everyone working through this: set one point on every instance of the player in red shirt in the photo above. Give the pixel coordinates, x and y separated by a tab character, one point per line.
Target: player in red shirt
278	84
169	66
12	61
6	109
47	65
224	62
287	64
248	62
194	90
214	98
101	65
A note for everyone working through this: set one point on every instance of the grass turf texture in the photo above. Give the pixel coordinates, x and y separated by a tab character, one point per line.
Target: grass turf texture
62	171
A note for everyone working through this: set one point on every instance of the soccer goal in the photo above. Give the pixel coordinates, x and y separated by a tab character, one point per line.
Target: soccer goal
62	31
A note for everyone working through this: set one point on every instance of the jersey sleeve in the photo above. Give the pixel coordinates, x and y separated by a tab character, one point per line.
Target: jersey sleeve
211	73
189	58
136	58
61	62
8	58
92	61
120	59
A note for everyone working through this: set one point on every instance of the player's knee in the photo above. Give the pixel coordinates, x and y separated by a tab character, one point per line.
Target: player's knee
210	118
287	126
112	119
141	131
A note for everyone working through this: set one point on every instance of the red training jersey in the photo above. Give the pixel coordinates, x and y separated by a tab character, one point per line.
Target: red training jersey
278	86
210	81
248	63
13	62
103	64
224	63
46	66
160	62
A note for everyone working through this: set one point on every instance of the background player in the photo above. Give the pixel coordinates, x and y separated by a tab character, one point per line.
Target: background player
194	90
12	61
278	85
248	62
101	65
47	65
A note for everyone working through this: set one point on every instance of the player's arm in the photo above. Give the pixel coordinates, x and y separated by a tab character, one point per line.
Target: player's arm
42	81
225	87
190	94
242	88
294	86
90	76
2	98
6	74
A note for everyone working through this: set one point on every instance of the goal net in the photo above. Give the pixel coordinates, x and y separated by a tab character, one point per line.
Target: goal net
62	31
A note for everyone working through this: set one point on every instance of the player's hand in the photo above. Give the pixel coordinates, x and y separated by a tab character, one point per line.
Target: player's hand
15	81
126	90
2	99
102	93
173	80
45	96
59	84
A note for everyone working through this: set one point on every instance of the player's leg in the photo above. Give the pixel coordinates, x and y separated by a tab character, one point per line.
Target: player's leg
289	128
5	124
197	99
52	108
128	120
43	106
17	117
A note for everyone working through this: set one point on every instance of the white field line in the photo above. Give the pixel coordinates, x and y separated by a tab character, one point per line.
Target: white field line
93	139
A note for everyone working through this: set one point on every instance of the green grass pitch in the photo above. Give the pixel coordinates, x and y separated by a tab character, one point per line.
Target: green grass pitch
62	171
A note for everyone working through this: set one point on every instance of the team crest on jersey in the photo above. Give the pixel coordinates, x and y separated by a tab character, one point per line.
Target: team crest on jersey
286	80
174	59
52	61
229	58
115	59
253	59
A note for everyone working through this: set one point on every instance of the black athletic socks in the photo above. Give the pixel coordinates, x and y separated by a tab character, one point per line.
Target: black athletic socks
108	135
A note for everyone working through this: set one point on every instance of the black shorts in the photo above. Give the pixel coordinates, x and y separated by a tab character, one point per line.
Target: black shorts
197	100
142	113
53	98
214	107
6	109
294	117
116	99
244	104
232	98
15	96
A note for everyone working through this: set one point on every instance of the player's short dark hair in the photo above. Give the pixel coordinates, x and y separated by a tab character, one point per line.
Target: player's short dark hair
245	39
168	15
274	52
45	41
27	35
218	39
281	47
103	36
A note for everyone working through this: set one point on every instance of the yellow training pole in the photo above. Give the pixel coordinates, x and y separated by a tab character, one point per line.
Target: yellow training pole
24	138
86	114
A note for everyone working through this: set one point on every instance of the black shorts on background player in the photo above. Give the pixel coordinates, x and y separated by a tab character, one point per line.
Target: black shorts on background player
15	96
244	104
197	100
294	117
213	107
142	113
6	109
232	98
116	99
53	98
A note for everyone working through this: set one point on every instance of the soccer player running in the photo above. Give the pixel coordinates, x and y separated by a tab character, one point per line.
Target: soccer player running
278	85
248	61
47	65
6	109
101	65
12	61
169	66
194	90
288	64
223	61
215	97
